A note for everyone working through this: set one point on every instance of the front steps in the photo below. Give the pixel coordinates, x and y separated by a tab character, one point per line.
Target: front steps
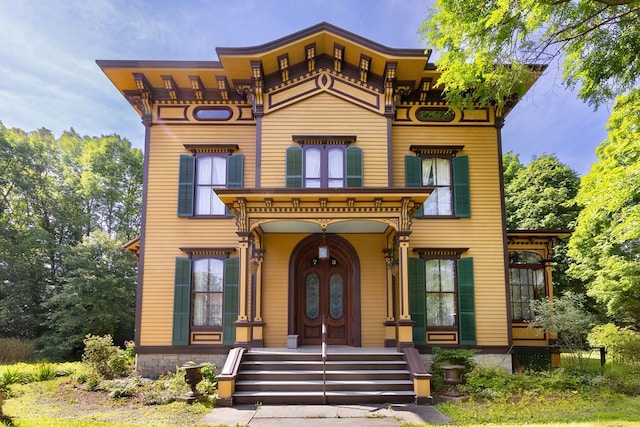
298	378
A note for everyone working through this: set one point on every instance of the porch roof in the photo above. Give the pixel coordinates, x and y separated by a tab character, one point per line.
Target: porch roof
333	210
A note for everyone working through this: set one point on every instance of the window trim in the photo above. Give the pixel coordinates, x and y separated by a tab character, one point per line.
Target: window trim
209	154
452	254
455	325
206	328
532	267
324	163
449	158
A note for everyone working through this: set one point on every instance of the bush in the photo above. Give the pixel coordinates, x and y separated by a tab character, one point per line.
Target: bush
449	357
16	350
623	345
108	360
209	383
44	372
497	383
165	389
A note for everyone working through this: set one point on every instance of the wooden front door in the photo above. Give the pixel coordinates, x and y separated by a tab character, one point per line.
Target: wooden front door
324	290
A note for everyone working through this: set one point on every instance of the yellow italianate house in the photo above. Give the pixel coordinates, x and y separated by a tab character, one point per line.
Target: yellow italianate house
317	190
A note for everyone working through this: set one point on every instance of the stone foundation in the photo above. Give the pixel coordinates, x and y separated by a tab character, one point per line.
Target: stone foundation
484	360
154	365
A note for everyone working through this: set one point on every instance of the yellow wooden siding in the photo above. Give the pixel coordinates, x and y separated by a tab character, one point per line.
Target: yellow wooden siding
275	286
373	286
324	114
482	233
166	232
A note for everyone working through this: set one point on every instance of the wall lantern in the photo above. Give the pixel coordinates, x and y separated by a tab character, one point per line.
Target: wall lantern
323	249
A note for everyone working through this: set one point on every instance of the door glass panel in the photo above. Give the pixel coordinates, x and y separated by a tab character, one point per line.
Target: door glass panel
313	296
335	295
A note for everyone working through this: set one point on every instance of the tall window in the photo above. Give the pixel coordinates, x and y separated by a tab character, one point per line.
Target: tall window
441	292
436	172
324	166
207	289
442	296
526	279
211	172
447	173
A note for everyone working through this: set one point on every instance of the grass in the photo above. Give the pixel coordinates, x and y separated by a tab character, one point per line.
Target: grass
550	399
608	396
34	401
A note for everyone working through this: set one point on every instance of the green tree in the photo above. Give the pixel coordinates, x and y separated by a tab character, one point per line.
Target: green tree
485	48
540	196
98	297
606	241
52	193
511	166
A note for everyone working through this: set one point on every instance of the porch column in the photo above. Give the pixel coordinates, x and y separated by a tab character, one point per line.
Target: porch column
243	330
257	339
405	324
390	338
548	280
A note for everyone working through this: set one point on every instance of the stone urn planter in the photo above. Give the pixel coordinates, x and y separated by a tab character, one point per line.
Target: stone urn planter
453	377
192	376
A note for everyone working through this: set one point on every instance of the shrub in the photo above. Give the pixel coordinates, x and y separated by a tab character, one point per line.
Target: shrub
497	383
44	372
123	387
16	350
165	389
449	357
108	360
623	345
13	375
209	383
567	316
623	379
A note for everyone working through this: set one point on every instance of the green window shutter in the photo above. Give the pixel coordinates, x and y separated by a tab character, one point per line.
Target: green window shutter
294	167
231	299
235	171
354	167
182	302
412	171
417	300
461	193
466	302
186	181
413	175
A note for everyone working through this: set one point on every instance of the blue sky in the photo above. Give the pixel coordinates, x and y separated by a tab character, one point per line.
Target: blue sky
49	78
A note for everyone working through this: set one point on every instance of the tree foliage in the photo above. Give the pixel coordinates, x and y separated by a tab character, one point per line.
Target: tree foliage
487	51
541	195
99	292
53	193
606	241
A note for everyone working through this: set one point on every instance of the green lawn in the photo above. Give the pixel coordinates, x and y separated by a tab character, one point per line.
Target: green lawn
603	398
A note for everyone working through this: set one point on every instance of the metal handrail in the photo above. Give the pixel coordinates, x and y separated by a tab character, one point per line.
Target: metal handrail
324	359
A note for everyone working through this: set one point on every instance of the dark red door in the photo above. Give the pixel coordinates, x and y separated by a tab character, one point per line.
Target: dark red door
323	290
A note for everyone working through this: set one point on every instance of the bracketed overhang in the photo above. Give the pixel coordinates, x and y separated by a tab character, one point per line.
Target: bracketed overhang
332	210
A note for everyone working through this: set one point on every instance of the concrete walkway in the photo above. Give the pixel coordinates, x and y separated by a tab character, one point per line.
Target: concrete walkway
325	415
